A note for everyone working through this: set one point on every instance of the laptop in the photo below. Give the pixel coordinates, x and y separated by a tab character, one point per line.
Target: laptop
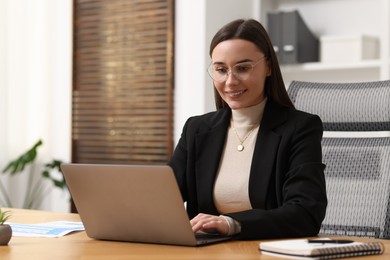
134	203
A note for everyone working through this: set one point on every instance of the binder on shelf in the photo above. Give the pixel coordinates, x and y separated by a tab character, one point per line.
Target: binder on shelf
275	33
293	41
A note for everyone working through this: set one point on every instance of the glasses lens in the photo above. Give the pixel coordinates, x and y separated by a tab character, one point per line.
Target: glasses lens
217	72
242	71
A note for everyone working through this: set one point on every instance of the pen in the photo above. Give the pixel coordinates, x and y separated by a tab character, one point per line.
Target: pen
329	241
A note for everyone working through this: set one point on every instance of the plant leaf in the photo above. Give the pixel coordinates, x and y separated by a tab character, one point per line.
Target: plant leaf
18	165
54	165
46	174
4	216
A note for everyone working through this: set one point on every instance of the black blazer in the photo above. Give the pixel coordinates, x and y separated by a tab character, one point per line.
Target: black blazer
286	184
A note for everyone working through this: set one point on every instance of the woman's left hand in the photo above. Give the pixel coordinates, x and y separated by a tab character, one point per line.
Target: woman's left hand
210	224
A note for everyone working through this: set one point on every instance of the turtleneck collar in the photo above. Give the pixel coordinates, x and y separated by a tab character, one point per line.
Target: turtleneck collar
249	116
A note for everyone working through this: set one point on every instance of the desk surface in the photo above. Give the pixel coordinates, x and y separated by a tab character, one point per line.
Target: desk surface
79	246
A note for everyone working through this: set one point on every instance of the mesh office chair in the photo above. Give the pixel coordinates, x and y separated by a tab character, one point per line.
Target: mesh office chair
356	151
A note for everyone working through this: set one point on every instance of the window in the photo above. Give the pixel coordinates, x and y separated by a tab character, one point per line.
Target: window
122	81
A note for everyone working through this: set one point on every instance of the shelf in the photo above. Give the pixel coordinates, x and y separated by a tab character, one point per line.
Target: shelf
339	21
368	70
319	66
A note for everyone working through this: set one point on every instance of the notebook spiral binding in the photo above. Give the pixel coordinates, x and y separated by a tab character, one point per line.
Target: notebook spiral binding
372	248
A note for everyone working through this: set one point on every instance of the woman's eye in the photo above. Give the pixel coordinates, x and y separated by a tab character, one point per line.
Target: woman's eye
243	68
221	70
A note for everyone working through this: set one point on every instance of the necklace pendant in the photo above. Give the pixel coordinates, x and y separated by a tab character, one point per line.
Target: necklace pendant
240	147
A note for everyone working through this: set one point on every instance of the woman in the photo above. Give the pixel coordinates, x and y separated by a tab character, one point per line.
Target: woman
253	168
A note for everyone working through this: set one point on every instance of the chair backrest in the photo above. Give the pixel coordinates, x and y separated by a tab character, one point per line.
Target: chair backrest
356	151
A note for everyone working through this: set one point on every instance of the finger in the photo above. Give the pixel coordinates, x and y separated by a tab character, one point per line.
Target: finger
197	227
216	225
200	217
198	221
210	224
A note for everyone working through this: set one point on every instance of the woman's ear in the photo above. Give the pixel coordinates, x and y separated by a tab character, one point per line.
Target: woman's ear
269	71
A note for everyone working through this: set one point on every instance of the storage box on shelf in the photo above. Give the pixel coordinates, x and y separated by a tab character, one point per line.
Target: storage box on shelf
348	48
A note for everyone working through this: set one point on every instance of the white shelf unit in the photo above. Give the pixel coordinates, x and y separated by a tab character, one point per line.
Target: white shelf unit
340	18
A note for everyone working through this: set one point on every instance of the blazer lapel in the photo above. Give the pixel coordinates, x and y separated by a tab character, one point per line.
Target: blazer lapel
209	146
264	155
210	142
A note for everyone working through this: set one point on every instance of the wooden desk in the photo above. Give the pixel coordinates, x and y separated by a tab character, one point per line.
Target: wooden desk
79	246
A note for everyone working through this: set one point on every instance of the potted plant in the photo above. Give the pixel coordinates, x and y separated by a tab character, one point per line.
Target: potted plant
35	190
5	229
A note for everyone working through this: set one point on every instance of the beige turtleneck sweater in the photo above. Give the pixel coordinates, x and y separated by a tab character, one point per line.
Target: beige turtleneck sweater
231	186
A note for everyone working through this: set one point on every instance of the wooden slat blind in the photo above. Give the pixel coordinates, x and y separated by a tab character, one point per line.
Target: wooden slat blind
123	81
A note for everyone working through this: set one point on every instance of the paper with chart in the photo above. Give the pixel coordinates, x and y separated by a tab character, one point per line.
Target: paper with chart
49	229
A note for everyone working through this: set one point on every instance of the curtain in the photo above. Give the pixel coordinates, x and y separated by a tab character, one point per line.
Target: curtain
123	86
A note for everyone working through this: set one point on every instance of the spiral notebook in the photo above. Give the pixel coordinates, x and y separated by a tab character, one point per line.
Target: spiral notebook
302	249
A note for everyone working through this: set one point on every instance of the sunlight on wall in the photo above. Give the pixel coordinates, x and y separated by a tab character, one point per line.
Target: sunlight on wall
35	84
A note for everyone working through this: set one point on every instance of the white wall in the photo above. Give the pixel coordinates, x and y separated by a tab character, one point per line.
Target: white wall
189	60
35	85
196	23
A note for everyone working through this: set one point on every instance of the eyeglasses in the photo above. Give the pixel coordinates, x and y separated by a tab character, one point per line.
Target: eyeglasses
240	71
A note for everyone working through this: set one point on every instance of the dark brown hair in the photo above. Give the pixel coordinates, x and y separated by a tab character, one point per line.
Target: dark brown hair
251	30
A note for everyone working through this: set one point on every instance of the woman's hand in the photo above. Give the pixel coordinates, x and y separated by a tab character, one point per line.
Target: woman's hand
210	224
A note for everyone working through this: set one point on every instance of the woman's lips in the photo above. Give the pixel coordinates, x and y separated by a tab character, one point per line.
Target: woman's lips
235	93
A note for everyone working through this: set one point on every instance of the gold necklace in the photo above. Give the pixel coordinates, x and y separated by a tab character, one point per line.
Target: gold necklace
241	147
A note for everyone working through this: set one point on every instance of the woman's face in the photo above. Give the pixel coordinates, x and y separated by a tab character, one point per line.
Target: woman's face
243	86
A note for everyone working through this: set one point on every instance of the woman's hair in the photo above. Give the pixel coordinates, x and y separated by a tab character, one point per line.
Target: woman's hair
251	30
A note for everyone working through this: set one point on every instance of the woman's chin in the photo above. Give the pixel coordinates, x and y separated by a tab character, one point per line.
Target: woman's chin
233	104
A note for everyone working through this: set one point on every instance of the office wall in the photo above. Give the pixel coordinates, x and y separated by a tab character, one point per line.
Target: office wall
35	85
196	23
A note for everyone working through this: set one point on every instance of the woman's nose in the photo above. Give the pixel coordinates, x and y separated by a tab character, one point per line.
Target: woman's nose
231	78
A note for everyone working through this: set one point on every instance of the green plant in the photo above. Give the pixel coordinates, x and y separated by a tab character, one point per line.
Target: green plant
35	188
4	216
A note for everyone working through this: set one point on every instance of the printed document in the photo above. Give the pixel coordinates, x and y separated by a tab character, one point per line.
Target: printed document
49	229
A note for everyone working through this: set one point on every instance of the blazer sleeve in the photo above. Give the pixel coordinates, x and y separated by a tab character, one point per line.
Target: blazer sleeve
179	161
296	202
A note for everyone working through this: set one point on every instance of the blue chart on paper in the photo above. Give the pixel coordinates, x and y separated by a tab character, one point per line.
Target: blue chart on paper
50	229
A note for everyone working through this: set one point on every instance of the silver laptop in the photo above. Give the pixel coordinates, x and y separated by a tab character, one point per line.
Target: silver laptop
135	203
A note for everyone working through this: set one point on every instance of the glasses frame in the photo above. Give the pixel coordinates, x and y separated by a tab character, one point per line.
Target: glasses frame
230	71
